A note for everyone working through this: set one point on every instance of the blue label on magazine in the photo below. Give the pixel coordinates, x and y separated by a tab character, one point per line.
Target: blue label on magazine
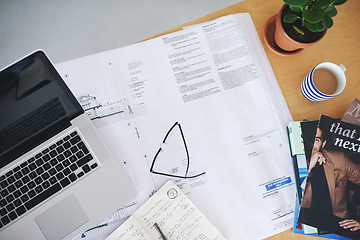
278	183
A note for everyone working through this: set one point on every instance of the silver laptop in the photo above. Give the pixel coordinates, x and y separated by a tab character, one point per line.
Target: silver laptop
57	177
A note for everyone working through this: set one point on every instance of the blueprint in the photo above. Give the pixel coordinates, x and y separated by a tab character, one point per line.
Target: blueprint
215	80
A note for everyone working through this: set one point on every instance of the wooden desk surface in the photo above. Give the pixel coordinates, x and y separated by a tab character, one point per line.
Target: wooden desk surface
341	45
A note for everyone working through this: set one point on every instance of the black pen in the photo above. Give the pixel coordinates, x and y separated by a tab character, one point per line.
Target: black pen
159	231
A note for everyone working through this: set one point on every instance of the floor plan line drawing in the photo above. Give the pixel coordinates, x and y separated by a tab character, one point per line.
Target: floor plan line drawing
97	110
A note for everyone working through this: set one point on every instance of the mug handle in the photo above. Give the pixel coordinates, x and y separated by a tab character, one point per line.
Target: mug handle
342	67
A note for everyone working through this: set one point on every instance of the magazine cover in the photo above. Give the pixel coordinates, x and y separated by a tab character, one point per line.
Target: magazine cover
331	200
306	134
308	130
301	137
352	115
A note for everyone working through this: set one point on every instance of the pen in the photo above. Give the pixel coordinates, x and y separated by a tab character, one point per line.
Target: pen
159	231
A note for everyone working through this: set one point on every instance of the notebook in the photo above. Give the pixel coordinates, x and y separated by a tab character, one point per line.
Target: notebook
168	214
57	176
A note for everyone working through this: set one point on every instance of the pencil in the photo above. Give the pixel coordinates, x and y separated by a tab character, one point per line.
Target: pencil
159	231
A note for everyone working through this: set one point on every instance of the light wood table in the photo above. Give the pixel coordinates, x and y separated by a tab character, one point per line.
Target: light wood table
341	45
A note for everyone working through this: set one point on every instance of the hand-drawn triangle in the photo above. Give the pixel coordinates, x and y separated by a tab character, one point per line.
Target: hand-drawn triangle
172	159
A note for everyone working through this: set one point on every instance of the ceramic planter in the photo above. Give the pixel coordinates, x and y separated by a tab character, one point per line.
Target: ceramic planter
282	43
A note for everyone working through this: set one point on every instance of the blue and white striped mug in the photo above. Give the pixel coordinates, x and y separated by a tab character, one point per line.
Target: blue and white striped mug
312	89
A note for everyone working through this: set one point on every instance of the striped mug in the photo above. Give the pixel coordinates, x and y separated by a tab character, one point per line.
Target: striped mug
324	81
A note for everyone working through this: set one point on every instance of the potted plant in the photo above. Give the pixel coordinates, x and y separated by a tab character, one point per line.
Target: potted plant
302	23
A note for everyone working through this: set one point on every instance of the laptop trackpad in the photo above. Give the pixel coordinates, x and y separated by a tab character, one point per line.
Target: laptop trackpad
61	219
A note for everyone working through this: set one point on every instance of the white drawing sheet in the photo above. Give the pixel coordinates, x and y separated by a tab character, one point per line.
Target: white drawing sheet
216	81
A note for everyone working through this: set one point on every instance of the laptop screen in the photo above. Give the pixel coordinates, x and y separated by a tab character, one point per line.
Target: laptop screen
35	104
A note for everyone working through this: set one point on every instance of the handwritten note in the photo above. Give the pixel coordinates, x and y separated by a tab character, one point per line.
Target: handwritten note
175	214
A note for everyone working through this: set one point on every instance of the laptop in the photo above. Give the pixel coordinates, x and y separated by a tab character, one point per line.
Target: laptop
57	176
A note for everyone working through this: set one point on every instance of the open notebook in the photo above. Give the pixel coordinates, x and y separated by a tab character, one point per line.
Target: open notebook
174	214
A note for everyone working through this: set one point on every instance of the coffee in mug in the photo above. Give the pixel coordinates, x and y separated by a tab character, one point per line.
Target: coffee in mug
326	80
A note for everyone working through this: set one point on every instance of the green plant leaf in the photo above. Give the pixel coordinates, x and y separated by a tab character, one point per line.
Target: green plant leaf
311	26
320	27
296	3
295	9
332	12
308	2
329	8
339	2
298	30
313	15
315	27
327	22
290	18
322	3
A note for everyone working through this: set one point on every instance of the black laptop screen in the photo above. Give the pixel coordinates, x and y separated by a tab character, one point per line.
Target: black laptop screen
35	104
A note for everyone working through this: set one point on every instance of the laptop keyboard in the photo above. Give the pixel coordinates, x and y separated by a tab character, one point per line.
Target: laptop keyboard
43	175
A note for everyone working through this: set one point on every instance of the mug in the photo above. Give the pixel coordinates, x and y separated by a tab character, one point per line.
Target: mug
324	81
